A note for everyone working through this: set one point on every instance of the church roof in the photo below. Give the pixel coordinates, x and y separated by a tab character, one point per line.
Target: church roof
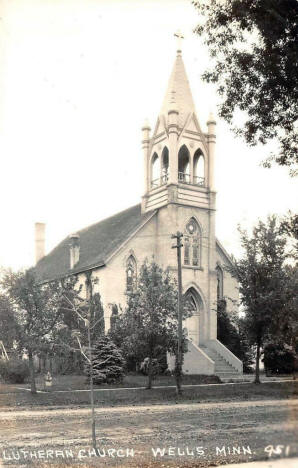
179	91
97	243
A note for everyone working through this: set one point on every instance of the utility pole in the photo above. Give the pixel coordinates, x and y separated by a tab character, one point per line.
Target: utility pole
88	324
178	369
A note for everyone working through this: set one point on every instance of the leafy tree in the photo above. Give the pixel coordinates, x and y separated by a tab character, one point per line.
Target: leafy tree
62	345
231	333
8	325
289	225
263	284
85	321
36	311
107	362
289	228
254	49
287	323
148	326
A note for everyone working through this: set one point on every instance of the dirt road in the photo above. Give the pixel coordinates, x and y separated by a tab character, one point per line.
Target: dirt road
211	433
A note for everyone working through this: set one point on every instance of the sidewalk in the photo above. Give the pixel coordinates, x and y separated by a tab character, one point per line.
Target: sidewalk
281	463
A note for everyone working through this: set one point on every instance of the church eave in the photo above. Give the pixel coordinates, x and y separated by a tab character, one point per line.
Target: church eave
224	252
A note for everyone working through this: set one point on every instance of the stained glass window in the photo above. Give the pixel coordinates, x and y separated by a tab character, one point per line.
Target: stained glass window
192	244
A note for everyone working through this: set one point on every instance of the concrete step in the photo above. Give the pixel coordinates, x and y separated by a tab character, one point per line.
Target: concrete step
222	367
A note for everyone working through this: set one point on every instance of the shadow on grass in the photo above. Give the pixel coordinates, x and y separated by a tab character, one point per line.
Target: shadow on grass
118	397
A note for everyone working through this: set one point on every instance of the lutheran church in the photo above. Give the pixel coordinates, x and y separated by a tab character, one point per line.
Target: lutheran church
178	195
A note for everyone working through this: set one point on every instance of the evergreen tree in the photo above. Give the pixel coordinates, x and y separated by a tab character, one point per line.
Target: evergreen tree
107	362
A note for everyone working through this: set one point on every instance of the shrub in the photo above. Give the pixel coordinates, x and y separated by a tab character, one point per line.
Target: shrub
278	359
14	371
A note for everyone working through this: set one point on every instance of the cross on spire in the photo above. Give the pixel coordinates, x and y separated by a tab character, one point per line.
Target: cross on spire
179	36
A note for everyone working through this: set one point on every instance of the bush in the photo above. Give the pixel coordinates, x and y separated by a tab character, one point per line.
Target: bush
278	359
108	362
14	371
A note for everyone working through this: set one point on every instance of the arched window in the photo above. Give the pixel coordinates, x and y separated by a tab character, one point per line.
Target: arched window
192	243
131	273
219	276
155	171
183	165
165	165
199	168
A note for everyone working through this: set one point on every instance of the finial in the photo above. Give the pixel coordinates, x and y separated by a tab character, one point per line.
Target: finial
179	37
211	118
146	125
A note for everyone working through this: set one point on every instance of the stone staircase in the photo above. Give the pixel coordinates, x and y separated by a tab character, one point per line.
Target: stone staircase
223	369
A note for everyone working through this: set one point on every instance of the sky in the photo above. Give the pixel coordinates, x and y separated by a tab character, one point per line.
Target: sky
78	79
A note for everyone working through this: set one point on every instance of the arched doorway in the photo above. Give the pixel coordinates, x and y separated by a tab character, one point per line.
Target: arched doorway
192	324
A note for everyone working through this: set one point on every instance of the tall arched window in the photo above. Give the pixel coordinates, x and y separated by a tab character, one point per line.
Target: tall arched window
192	243
155	171
165	165
131	273
219	275
199	168
183	165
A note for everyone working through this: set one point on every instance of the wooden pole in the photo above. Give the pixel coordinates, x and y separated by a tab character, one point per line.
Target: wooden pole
91	390
178	369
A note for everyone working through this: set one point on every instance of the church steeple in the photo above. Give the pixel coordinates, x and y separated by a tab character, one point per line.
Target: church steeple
178	157
179	86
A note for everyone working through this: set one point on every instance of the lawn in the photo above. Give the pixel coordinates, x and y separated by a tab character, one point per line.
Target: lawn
121	397
132	380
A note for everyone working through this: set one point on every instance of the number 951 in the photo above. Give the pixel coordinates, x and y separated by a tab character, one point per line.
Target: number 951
277	450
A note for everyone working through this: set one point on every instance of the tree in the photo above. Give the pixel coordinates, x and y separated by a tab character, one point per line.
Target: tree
289	228
148	326
86	311
107	362
70	356
8	325
263	284
36	311
254	49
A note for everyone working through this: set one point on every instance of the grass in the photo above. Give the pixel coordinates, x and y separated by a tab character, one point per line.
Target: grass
118	397
79	382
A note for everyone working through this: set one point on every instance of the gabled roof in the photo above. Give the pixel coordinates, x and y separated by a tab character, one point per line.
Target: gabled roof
179	90
223	251
97	243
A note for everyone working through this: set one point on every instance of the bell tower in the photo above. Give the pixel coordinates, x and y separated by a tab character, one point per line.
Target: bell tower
178	156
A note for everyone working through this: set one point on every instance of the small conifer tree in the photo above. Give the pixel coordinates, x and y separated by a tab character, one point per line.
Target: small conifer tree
107	362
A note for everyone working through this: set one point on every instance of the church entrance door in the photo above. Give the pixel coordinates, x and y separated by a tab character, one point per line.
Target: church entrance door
192	323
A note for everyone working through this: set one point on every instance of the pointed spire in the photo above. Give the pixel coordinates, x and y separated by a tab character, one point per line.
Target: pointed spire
173	104
178	87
